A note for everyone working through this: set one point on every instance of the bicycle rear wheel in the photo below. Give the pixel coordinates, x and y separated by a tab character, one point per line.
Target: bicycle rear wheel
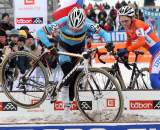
96	103
142	80
28	79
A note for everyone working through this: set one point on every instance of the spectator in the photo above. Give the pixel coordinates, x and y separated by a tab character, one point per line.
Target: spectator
109	25
25	28
22	39
89	7
123	3
5	22
13	38
131	5
100	7
141	17
118	5
22	61
30	44
113	16
3	38
106	6
92	15
5	50
102	18
135	5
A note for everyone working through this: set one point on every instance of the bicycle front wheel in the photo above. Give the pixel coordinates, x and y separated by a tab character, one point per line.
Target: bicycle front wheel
24	79
142	80
96	103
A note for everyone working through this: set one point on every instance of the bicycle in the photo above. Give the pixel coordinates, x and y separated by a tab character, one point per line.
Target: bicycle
139	79
88	88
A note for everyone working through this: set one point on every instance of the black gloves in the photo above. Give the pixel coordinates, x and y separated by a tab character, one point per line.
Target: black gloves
109	47
122	52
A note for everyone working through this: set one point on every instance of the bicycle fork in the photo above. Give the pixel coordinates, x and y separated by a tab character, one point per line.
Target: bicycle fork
91	81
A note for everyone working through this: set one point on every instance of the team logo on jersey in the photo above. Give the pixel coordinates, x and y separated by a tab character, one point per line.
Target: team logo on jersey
54	27
140	32
95	28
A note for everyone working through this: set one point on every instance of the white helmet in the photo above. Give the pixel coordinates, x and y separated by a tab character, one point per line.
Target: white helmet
76	18
126	11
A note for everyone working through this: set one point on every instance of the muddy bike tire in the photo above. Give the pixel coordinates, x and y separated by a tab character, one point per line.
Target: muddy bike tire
33	100
93	92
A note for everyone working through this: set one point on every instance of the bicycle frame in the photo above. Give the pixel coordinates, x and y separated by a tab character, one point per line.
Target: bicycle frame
135	70
83	59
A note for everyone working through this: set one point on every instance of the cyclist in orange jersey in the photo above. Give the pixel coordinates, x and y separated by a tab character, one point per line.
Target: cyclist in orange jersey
142	34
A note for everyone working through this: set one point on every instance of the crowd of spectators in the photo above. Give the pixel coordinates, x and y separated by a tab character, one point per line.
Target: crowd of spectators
12	39
106	16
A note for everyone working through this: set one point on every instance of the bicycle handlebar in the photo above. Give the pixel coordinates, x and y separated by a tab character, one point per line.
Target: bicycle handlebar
138	52
124	60
84	54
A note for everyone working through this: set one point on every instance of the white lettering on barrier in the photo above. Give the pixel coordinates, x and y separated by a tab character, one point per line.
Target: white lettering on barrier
73	129
50	129
103	129
98	129
140	106
24	20
143	129
78	129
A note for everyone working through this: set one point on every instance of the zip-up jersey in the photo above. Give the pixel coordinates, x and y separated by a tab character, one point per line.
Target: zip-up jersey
69	36
143	35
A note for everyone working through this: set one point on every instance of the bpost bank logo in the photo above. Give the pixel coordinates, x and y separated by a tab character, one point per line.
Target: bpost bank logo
29	2
144	104
8	106
37	109
60	105
85	105
111	103
35	20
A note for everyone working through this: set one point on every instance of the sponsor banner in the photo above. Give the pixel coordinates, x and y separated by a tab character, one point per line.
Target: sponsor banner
151	12
60	106
151	17
111	103
85	105
142	104
32	13
115	37
8	106
37	20
85	127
